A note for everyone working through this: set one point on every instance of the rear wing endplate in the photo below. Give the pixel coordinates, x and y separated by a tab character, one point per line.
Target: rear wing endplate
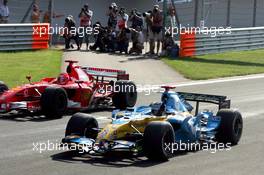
222	101
106	73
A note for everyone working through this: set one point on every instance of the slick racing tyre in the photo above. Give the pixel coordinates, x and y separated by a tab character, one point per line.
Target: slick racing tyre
157	138
231	127
54	102
3	87
82	125
125	94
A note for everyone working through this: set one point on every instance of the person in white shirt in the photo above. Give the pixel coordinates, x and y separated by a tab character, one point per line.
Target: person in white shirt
85	22
4	12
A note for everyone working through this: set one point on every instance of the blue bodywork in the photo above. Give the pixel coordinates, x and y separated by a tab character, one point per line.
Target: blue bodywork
188	128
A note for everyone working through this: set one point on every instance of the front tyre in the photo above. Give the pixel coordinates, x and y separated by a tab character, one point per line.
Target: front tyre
157	138
82	125
125	94
231	127
54	102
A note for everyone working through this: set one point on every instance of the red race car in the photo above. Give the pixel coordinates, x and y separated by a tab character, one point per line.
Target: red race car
81	88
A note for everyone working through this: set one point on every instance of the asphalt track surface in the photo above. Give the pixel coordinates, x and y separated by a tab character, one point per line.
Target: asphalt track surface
142	69
18	133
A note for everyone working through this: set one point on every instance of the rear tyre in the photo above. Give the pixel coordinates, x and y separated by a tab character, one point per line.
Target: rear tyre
3	87
157	136
82	125
54	102
231	127
125	94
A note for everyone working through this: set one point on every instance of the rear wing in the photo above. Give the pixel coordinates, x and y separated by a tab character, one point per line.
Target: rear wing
101	74
222	101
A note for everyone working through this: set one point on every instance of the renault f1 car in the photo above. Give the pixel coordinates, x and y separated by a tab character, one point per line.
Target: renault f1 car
149	129
80	88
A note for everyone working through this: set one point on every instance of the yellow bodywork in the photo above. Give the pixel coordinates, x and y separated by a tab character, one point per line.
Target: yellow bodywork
119	131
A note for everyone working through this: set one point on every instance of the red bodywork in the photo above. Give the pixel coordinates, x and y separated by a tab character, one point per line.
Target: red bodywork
86	88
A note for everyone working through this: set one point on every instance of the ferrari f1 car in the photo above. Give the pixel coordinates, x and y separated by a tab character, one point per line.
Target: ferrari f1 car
148	129
81	88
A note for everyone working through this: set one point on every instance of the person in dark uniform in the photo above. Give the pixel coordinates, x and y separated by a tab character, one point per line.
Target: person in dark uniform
112	15
70	33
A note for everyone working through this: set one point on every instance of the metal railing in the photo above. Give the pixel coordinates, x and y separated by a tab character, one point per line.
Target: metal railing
236	40
15	37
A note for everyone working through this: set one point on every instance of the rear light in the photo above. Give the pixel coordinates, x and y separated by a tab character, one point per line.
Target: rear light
33	106
30	106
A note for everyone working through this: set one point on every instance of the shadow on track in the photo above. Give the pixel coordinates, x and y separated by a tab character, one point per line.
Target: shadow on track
19	117
140	58
38	117
115	160
129	57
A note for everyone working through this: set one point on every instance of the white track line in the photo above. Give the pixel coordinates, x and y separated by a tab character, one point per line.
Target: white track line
224	80
102	118
205	82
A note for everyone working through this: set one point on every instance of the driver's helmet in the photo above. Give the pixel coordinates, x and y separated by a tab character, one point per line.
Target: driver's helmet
173	103
63	78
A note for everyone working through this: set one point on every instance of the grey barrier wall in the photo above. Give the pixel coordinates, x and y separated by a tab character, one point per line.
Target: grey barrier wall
234	13
21	37
234	40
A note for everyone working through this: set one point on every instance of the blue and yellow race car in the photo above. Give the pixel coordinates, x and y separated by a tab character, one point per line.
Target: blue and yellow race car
156	129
